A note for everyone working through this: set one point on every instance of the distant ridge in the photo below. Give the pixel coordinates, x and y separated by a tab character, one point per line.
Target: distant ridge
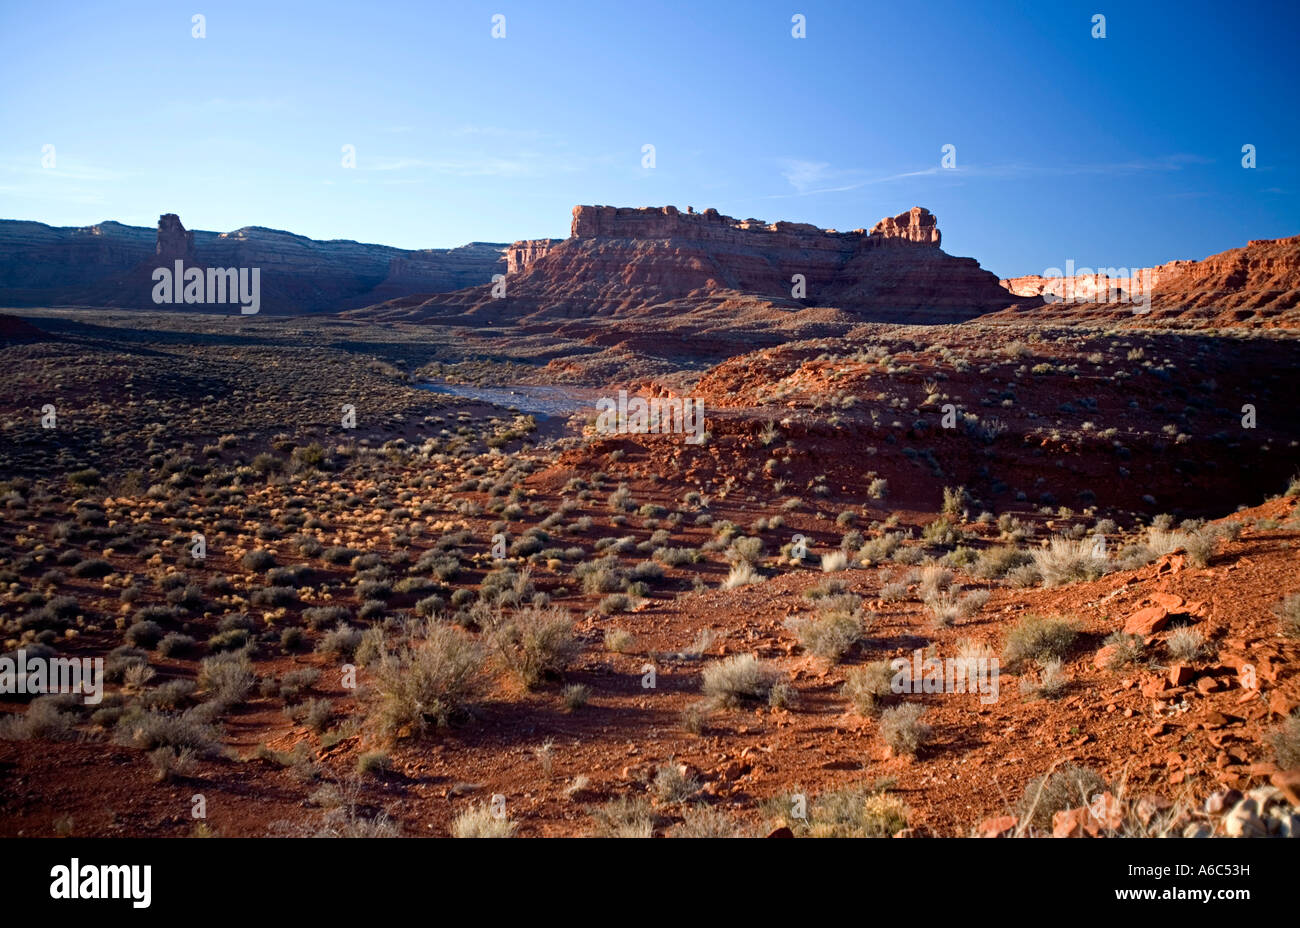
110	264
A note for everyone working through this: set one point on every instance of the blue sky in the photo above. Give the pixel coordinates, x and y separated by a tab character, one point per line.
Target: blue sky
1122	151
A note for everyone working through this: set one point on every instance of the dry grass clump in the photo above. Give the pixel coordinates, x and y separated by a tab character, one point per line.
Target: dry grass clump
1288	613
869	686
902	728
742	574
480	821
1067	560
1066	788
1186	643
1037	637
624	817
837	625
707	822
739	679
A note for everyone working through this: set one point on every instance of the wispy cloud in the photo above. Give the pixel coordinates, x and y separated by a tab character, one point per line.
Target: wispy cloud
811	178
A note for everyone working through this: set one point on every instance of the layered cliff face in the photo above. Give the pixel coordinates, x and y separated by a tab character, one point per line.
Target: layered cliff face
631	262
111	265
1258	285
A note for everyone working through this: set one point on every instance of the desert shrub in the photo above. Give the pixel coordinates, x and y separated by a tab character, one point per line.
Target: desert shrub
1286	742
834	561
479	821
313	713
232	639
995	563
624	817
739	679
746	550
880	549
940	533
258	559
1125	649
742	574
429	683
1288	613
274	596
619	640
707	822
893	592
854	812
144	634
536	643
340	642
1051	683
675	557
868	687
672	783
169	763
226	678
614	602
1186	643
1067	788
176	644
902	728
150	729
122	659
833	630
1067	560
1038	638
42	720
1200	547
575	696
340	555
374	763
92	567
319	617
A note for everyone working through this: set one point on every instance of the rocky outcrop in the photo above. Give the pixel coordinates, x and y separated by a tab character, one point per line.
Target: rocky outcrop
173	240
1258	285
1093	287
523	253
629	262
111	264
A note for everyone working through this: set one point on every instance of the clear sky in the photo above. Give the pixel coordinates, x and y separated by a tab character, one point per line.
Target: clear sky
1122	151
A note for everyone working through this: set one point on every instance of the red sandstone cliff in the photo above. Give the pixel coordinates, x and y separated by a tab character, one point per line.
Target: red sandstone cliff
1258	285
631	262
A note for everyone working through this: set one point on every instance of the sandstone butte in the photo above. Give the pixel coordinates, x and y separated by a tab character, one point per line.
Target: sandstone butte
624	262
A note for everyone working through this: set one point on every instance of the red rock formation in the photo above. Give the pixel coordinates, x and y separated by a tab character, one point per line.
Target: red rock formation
1258	285
631	261
173	241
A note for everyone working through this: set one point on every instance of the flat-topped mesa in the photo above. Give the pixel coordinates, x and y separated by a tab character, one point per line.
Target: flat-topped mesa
917	226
